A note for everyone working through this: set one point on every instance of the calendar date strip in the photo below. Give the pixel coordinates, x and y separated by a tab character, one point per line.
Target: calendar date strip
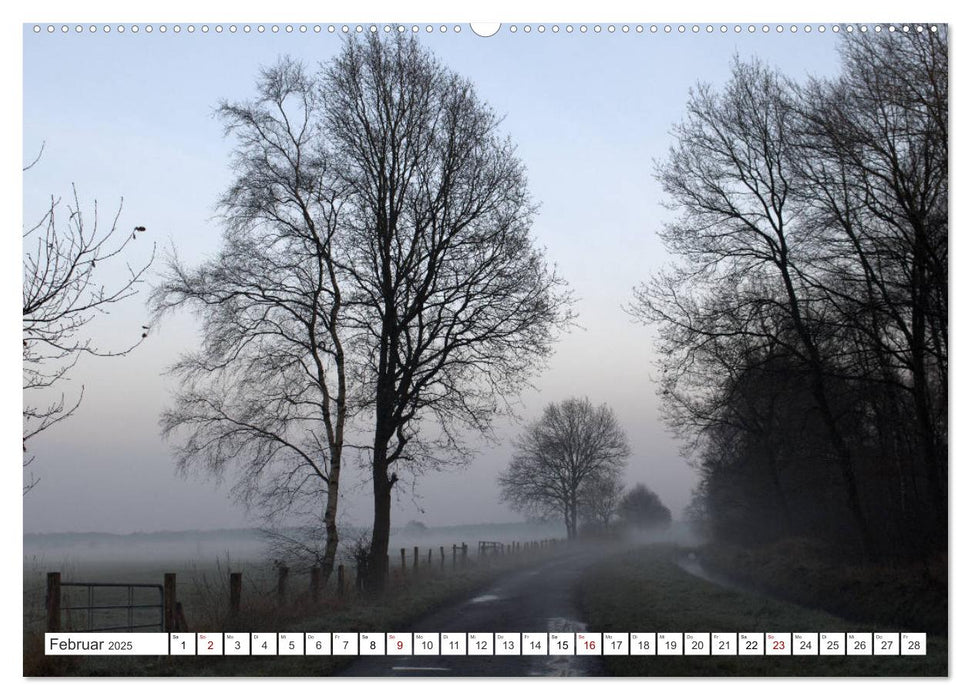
486	644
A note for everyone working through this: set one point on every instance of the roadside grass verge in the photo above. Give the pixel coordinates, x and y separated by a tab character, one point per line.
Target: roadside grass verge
645	590
408	599
912	596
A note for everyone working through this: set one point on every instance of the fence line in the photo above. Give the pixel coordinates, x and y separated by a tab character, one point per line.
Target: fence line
172	614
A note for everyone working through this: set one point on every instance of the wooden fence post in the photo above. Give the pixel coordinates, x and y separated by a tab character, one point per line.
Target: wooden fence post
340	580
429	558
281	584
168	602
315	583
414	564
442	550
54	601
465	554
455	555
404	563
235	593
180	624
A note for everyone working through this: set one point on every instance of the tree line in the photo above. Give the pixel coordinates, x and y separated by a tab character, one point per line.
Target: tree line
803	325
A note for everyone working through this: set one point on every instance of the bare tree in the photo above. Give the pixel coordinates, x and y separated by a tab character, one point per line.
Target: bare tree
570	449
62	293
732	174
803	327
377	263
876	173
455	305
267	393
600	498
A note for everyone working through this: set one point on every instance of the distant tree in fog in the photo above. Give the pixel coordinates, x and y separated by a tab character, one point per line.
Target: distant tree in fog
600	498
695	514
563	456
642	508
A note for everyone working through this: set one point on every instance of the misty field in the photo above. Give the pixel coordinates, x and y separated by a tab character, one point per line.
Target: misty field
203	590
619	587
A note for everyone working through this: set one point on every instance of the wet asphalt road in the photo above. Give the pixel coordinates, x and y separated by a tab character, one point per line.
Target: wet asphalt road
536	599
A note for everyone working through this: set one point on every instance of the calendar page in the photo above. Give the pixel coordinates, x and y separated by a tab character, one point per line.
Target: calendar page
436	349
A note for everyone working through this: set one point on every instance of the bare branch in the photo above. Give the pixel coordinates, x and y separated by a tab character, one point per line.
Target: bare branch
61	295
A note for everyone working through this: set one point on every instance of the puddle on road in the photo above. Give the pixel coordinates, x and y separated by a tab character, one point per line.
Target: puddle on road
487	598
562	624
563	665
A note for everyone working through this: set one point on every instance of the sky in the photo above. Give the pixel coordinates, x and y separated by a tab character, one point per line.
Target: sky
125	115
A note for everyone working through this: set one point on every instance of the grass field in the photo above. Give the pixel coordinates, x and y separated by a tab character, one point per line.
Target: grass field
645	590
906	595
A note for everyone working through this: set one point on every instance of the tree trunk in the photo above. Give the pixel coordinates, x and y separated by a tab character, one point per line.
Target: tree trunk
330	519
845	462
381	530
843	456
920	299
785	514
571	520
929	451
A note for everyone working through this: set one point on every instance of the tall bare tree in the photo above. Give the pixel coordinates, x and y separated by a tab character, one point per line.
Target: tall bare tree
377	262
63	291
455	304
267	393
804	324
573	447
731	174
875	173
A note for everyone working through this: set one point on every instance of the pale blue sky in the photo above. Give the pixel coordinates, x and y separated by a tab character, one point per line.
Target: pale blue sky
131	115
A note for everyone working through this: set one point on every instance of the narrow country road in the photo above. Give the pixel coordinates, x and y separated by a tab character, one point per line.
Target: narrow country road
536	599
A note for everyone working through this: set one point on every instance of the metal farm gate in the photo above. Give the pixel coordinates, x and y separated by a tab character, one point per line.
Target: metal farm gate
127	612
